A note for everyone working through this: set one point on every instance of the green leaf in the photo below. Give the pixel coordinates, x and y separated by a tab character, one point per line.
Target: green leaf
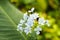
9	19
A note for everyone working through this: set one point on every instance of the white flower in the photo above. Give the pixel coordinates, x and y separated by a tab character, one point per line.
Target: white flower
35	15
22	21
37	32
41	21
32	9
25	17
27	25
29	11
31	17
27	30
19	27
38	29
47	22
30	21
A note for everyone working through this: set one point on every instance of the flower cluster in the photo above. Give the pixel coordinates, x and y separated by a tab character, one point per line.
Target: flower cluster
28	21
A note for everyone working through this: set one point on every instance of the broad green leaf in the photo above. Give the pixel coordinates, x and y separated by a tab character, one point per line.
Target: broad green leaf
9	19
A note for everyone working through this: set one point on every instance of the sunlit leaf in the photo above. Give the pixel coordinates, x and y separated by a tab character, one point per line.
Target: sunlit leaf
9	19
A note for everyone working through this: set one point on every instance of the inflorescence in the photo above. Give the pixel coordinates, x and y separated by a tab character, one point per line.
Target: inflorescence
28	23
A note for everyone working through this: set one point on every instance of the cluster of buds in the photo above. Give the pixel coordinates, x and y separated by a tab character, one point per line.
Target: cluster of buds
28	22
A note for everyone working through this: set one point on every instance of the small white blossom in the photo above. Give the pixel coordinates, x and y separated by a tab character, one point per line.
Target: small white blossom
41	21
31	17
37	32
19	27
47	22
22	21
25	17
38	29
29	11
27	30
32	9
30	21
27	25
35	15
